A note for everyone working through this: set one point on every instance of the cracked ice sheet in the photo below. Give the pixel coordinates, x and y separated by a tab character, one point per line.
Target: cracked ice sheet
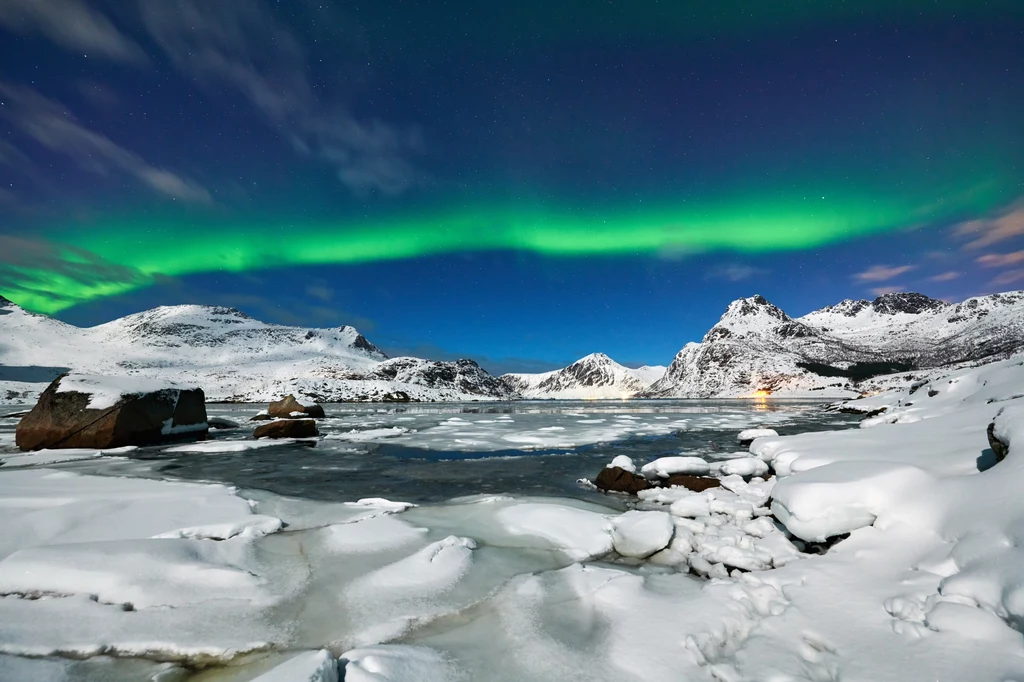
42	507
533	431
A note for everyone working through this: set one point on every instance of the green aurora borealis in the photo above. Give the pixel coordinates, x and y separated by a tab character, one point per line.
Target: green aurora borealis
134	255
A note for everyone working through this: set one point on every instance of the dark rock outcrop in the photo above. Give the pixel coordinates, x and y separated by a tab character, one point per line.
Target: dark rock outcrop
695	483
288	405
65	420
395	397
615	479
998	447
287	428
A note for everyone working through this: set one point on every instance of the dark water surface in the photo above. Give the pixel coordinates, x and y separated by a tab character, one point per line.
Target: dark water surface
427	453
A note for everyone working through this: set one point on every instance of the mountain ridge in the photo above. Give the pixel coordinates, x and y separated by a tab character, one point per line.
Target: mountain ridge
757	348
232	355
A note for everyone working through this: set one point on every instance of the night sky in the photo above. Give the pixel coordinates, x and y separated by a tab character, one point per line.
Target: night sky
522	183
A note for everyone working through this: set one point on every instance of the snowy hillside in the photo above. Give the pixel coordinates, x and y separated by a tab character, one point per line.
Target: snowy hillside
229	354
837	351
595	376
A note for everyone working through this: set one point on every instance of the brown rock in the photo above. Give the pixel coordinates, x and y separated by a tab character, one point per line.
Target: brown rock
615	479
287	428
64	420
998	447
287	405
695	483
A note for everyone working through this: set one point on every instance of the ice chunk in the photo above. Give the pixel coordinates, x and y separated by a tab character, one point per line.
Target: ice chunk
759	432
581	534
212	446
310	666
397	663
254	526
372	535
143	573
641	533
663	467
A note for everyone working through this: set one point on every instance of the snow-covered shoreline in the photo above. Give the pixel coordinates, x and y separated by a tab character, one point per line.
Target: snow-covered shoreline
153	574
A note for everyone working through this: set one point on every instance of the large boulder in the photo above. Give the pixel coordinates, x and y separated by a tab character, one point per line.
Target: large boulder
287	428
617	479
83	411
998	447
288	406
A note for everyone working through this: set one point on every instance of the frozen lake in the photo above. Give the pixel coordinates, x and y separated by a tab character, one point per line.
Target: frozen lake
432	452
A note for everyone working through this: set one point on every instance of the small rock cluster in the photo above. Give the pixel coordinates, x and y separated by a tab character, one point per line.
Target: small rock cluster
289	418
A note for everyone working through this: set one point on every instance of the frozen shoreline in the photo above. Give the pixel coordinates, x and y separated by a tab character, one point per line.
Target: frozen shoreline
520	588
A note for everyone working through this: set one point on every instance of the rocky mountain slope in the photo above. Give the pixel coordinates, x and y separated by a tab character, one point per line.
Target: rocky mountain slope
756	348
230	355
595	376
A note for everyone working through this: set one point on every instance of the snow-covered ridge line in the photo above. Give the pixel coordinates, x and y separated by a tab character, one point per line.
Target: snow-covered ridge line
842	350
595	376
232	356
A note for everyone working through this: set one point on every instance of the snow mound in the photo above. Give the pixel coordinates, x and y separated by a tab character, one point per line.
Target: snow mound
640	534
663	467
579	533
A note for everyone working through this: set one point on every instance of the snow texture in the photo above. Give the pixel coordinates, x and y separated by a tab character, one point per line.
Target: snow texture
230	355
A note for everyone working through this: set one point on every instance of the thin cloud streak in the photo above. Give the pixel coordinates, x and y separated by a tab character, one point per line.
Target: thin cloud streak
984	232
882	273
73	25
239	46
49	124
1001	260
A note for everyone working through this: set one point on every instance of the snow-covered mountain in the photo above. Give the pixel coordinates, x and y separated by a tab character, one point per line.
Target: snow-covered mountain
756	347
592	377
229	354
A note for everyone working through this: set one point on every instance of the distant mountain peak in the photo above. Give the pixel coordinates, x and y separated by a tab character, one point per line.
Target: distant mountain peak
756	305
905	302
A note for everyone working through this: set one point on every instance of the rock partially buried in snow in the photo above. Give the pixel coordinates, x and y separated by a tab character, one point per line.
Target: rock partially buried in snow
287	428
640	534
664	467
290	408
623	462
998	446
618	480
747	436
697	484
85	411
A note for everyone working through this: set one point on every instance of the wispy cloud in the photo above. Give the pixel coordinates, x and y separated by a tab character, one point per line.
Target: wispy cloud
73	25
51	125
945	277
1006	224
1001	260
882	291
736	272
882	273
1008	277
240	47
